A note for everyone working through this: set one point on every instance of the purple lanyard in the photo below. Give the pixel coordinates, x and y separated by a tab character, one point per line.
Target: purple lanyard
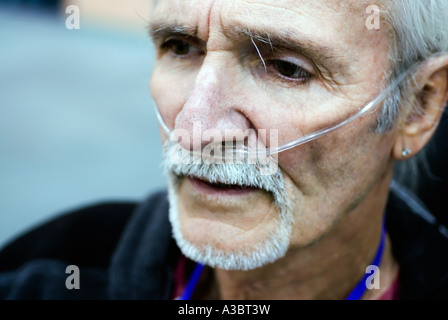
361	287
356	293
192	282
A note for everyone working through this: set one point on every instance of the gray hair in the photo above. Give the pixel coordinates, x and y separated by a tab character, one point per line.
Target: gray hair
418	30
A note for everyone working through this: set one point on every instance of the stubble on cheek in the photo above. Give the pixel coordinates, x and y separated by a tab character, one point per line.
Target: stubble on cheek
333	177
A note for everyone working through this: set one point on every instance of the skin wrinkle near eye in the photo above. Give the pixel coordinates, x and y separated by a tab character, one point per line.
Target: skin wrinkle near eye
277	43
282	39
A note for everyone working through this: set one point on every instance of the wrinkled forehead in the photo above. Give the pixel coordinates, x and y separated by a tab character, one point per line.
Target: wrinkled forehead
327	21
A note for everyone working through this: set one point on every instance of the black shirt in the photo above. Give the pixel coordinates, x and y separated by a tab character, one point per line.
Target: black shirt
125	251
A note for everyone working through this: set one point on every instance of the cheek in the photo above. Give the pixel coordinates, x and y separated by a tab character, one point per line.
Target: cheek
170	90
331	176
347	156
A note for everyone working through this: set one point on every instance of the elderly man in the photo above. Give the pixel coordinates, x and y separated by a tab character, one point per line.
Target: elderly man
328	96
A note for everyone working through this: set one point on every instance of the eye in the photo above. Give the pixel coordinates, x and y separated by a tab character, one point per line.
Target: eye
290	70
179	47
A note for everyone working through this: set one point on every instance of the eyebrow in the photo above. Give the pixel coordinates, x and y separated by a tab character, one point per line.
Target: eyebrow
160	30
324	55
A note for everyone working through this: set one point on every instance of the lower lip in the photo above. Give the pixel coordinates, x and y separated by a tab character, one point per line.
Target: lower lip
209	189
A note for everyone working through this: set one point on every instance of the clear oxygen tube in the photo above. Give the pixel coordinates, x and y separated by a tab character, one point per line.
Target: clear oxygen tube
244	150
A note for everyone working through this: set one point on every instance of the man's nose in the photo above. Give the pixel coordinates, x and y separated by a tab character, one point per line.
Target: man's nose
211	111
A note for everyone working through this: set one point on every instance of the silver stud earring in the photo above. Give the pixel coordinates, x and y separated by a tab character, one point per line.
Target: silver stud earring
406	152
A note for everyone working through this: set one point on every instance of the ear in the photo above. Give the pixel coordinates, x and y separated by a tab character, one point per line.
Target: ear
431	95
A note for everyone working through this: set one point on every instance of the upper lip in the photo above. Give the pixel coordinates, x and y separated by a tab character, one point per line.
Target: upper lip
218	181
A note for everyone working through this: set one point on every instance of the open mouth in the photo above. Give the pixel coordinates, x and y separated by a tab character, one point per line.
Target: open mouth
206	186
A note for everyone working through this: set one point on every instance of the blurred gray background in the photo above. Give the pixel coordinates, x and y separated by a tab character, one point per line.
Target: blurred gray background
76	117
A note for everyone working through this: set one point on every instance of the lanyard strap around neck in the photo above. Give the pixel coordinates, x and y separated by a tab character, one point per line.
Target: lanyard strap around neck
361	287
192	282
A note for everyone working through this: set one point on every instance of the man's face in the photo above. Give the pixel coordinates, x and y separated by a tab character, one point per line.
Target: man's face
295	66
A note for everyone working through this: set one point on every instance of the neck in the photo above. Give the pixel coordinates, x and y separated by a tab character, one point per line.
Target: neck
327	269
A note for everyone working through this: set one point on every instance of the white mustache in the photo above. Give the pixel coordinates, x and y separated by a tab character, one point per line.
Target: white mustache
241	173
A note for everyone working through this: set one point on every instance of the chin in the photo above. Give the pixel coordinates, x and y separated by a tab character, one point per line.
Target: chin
204	243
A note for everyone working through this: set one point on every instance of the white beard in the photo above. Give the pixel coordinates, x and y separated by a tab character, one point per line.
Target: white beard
271	248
